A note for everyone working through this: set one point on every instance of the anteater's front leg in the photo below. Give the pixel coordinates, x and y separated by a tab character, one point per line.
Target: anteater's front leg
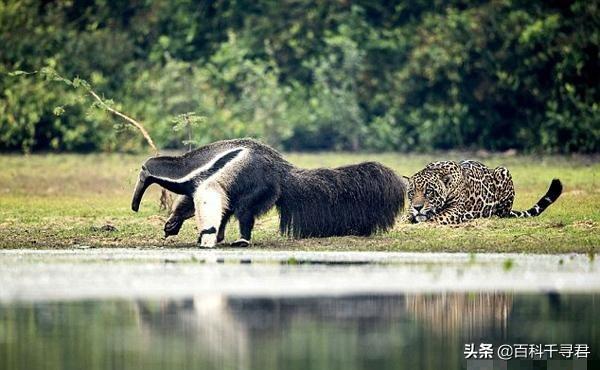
210	203
183	208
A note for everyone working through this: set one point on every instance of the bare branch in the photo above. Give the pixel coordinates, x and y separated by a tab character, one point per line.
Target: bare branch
128	119
166	200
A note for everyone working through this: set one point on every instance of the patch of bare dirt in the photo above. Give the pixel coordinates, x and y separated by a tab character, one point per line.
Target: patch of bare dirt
585	225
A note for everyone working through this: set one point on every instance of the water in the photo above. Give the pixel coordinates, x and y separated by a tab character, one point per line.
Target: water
215	331
251	309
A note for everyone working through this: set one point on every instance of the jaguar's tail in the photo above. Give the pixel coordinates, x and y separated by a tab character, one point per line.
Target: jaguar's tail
550	197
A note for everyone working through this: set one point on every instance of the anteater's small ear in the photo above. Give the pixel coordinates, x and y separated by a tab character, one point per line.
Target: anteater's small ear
405	180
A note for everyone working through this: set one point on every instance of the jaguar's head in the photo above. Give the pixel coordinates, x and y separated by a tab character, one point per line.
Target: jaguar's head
427	192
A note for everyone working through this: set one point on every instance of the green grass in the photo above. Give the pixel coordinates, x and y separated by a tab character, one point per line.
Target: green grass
60	201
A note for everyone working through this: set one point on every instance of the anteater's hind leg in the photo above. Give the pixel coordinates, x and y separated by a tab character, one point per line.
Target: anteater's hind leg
250	206
505	191
224	222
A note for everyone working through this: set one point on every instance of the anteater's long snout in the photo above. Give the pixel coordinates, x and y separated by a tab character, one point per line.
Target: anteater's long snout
143	182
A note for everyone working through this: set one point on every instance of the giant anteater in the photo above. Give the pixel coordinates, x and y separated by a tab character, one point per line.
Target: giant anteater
246	178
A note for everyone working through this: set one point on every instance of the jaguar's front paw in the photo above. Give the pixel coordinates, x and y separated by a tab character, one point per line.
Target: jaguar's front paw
415	219
420	218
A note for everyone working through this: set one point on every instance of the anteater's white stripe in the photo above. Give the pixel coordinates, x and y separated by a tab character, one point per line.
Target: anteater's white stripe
206	167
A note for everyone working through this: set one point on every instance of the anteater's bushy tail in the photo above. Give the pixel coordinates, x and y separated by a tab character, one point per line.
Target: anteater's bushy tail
352	200
550	197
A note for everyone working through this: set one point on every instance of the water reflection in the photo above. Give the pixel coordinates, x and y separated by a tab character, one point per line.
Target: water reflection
425	331
471	315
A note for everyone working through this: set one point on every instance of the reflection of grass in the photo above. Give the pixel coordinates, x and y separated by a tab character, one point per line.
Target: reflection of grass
49	201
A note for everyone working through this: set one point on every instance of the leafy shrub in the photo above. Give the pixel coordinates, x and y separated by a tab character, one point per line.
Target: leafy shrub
307	75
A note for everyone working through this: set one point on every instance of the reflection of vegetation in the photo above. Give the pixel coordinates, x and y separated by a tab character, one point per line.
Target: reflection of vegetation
44	335
383	332
59	208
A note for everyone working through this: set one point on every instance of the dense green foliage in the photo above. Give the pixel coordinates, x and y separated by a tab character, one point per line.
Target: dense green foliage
412	75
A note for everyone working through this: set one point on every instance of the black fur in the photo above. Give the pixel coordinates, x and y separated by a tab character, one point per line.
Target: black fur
352	200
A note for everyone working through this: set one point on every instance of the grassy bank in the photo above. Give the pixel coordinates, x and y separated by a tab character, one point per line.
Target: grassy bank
63	200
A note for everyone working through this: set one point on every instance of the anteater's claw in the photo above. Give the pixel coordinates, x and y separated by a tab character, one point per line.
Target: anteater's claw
172	226
240	243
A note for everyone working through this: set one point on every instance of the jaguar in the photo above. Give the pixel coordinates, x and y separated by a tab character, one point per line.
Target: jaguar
449	192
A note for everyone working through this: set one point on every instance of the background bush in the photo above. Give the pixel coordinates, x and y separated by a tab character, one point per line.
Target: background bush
306	75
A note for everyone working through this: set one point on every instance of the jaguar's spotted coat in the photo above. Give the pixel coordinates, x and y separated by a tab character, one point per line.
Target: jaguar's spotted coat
450	193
